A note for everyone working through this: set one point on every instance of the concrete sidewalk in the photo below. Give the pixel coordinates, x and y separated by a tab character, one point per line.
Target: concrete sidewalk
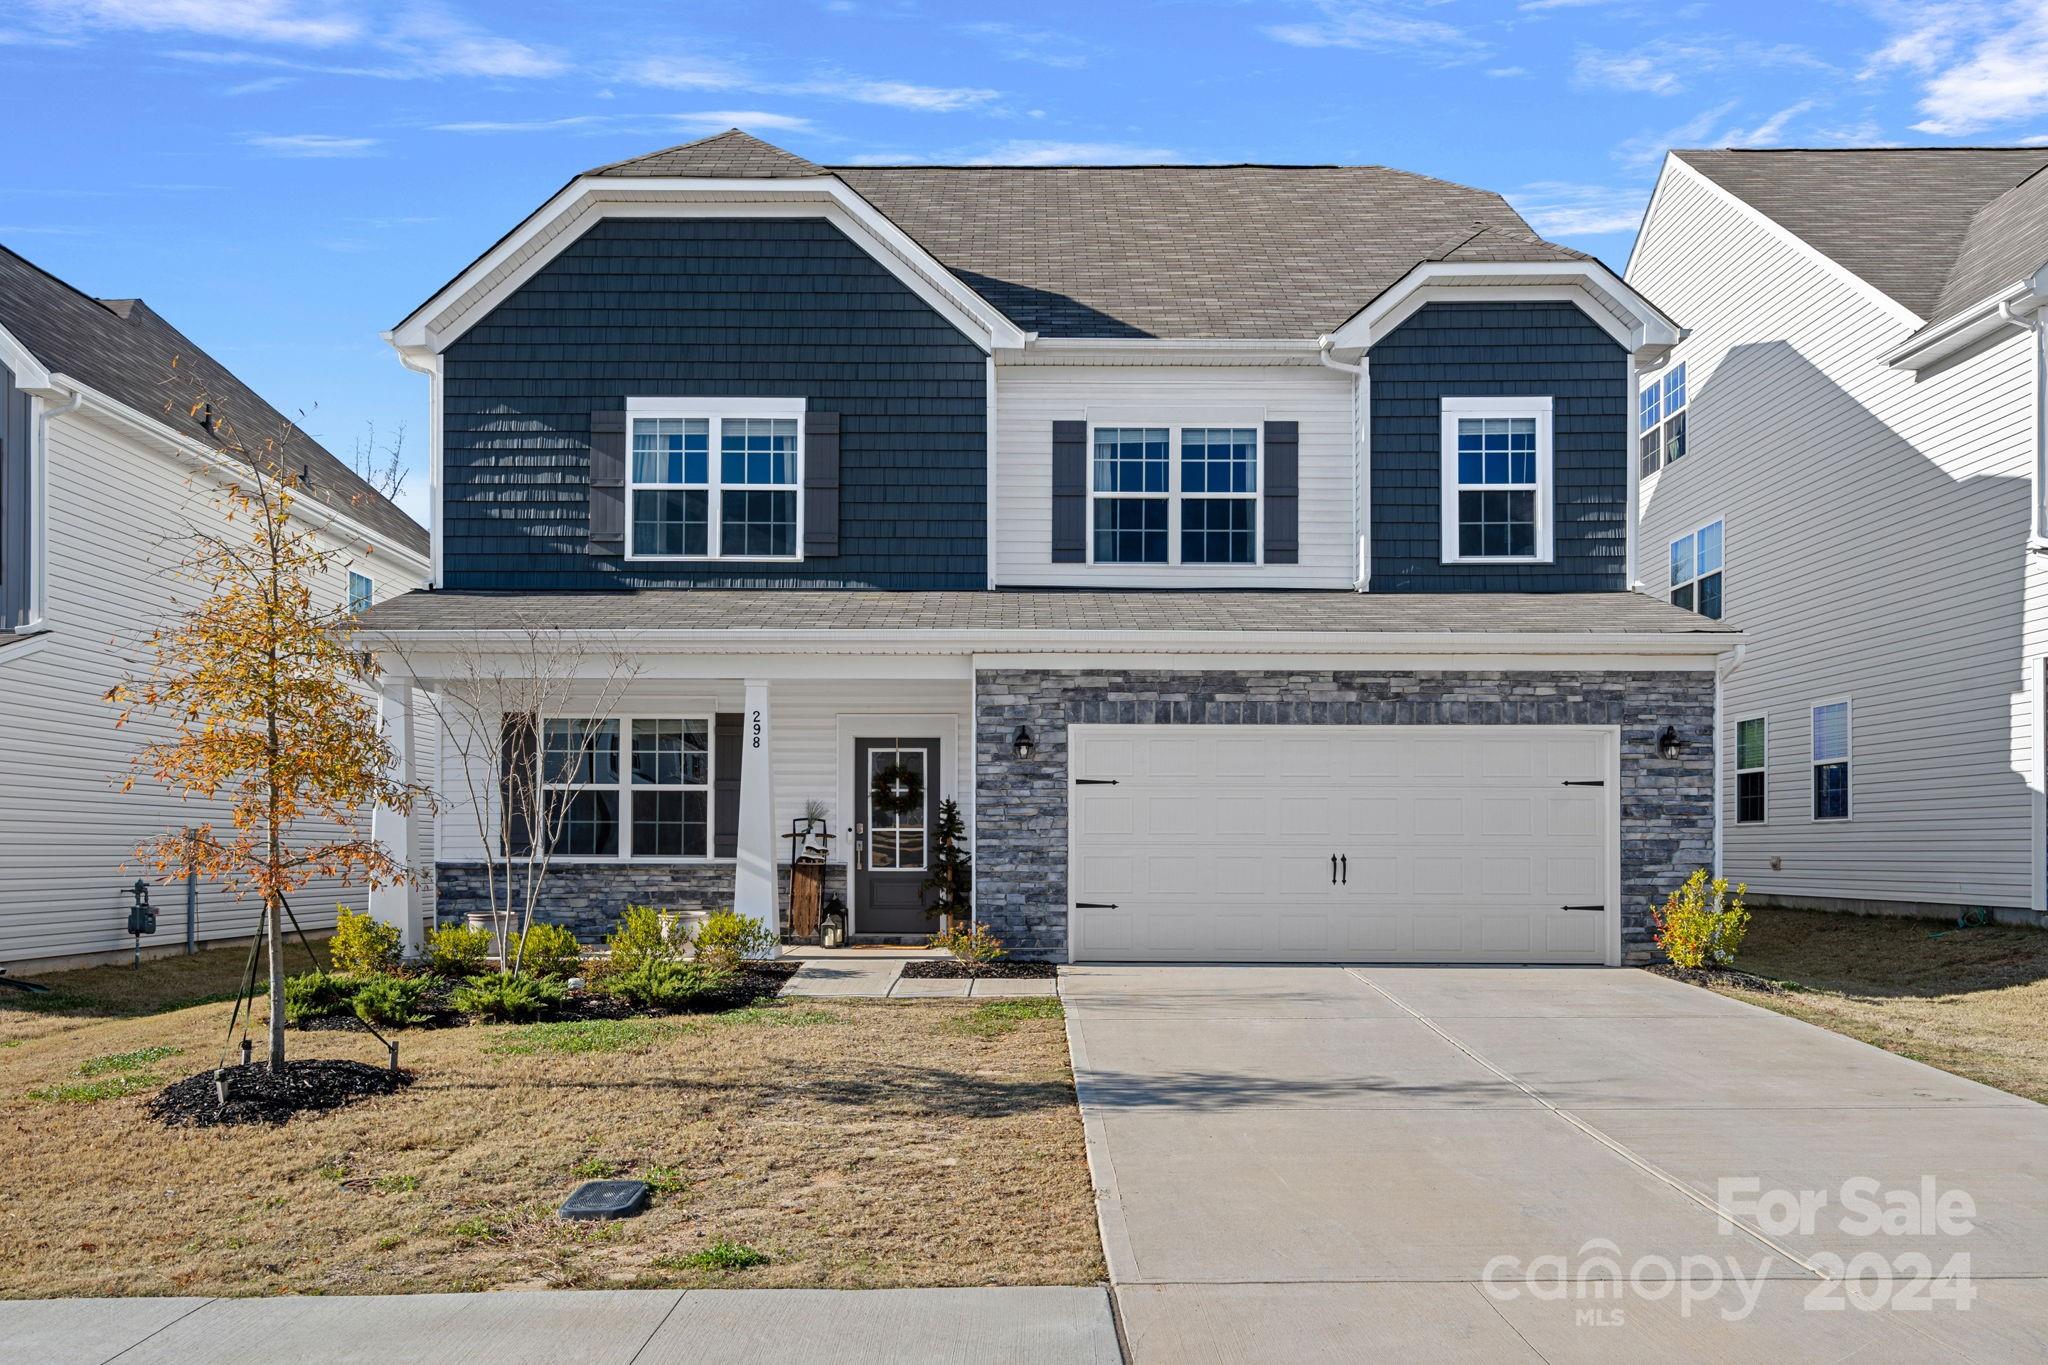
882	978
600	1327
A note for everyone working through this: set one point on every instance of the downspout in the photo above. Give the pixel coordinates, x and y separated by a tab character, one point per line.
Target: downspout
2032	323
1361	416
431	368
1724	669
2037	543
39	499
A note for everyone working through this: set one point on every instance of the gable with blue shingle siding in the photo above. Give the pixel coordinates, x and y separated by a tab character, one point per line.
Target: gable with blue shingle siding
732	308
1486	350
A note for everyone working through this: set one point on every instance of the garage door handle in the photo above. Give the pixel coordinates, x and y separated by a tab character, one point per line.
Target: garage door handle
1333	869
1346	860
1599	908
1095	905
1569	783
1095	782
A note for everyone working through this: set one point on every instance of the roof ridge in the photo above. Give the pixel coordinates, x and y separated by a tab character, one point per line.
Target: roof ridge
58	280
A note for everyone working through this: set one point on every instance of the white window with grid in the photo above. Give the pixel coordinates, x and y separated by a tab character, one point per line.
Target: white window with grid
1174	495
1752	763
711	479
1496	466
1696	571
1661	420
635	787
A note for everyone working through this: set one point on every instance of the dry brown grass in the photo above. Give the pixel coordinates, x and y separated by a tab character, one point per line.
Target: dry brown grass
123	991
1970	1001
860	1144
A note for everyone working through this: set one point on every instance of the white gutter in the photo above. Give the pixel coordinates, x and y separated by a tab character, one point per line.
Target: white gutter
428	363
39	498
1361	458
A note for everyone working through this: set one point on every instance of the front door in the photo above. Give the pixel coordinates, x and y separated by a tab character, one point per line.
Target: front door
897	794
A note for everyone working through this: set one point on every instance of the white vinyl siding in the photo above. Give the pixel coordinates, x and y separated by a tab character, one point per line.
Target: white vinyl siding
116	511
1883	521
1031	397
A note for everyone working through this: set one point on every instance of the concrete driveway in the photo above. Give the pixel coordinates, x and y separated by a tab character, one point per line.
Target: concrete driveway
1327	1163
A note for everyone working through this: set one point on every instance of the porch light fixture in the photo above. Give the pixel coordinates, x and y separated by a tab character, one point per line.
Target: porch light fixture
1021	744
1669	745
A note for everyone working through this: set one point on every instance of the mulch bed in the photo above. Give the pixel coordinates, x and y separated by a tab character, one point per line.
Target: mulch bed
935	969
1719	976
256	1095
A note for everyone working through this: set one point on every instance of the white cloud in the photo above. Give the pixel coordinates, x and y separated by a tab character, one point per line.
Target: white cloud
545	125
684	73
1711	128
673	73
1377	25
1771	130
1982	63
1024	152
1638	71
1557	208
261	85
750	120
1507	72
1020	44
1664	67
270	21
311	144
1539	6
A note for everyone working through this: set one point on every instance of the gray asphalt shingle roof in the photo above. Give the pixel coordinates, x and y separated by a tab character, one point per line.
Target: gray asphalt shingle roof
1134	612
1910	221
1161	251
124	350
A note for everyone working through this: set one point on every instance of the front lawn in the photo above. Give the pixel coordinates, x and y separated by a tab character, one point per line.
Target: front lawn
845	1145
1970	1001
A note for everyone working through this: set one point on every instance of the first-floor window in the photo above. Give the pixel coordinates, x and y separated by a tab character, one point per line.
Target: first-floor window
1752	757
1496	480
1831	761
655	804
360	591
715	478
1696	571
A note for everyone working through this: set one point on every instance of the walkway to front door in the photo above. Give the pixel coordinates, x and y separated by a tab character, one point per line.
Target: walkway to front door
1322	1163
897	800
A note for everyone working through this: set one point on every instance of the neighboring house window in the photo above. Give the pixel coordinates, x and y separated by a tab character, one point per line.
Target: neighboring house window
742	504
1752	758
360	590
1696	571
1496	480
1145	511
656	805
1662	420
1831	761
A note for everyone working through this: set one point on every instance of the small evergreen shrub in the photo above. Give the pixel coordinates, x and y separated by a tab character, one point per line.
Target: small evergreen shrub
657	985
363	945
506	999
1701	924
393	1001
638	938
316	995
728	939
974	945
546	950
456	951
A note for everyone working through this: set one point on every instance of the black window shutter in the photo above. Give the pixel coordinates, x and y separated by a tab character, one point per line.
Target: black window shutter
1282	497
1070	492
725	785
518	781
821	485
608	482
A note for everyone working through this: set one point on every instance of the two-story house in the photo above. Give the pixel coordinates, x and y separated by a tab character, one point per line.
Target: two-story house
1844	459
1246	549
118	439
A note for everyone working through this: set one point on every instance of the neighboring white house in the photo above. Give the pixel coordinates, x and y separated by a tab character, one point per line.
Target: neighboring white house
1844	459
103	475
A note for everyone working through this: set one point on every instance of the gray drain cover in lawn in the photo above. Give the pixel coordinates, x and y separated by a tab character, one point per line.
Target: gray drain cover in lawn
606	1199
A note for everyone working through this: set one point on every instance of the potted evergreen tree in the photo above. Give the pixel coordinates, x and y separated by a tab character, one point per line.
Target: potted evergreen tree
951	881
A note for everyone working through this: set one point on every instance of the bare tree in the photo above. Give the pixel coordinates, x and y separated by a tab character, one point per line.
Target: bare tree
382	467
518	713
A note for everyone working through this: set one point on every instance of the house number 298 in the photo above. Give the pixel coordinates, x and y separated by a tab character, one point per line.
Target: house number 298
756	742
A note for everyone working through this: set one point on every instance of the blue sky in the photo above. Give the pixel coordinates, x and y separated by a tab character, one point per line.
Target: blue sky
284	179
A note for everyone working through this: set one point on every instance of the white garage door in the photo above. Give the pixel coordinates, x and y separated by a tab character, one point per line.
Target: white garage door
1331	844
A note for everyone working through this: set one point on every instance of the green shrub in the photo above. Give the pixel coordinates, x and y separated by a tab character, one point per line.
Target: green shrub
389	1000
546	950
1701	924
658	985
728	939
456	951
363	945
638	938
506	999
973	945
316	995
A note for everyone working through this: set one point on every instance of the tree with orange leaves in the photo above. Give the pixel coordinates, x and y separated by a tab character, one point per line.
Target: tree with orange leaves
261	687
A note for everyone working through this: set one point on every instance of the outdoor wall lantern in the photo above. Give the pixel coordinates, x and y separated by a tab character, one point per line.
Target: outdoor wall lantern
1022	744
1669	745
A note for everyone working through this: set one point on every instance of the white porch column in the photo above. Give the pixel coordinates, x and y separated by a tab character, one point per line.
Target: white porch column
396	830
753	890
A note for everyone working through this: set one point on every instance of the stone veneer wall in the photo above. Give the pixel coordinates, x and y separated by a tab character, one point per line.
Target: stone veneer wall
589	898
1667	805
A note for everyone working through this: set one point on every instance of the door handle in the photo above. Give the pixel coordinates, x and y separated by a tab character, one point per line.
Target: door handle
1347	869
1333	869
1598	909
1095	905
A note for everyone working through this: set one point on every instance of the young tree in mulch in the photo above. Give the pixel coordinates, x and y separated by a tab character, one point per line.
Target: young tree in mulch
261	686
951	881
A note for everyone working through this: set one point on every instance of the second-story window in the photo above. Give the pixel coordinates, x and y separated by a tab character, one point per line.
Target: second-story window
1661	419
1496	480
1165	495
1696	571
360	591
713	479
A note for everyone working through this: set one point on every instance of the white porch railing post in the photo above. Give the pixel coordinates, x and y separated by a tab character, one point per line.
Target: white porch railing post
397	830
754	888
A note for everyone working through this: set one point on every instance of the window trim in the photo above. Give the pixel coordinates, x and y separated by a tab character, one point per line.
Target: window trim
1665	417
1175	494
1847	760
1457	409
369	596
624	787
1763	769
1671	586
716	411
